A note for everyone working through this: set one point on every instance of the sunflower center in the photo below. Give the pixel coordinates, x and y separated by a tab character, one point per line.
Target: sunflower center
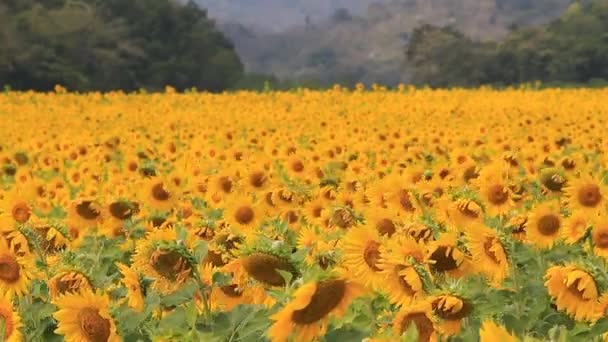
9	268
343	218
86	210
470	173
589	195
553	182
386	227
423	324
601	240
548	225
316	211
159	193
444	260
327	297
487	249
225	184
371	255
21	212
297	166
169	264
231	291
121	210
405	201
244	215
93	326
497	194
448	314
257	179
264	267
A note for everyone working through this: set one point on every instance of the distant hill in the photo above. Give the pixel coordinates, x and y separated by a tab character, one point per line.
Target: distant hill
365	43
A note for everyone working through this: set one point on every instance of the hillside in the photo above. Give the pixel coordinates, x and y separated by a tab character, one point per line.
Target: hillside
370	47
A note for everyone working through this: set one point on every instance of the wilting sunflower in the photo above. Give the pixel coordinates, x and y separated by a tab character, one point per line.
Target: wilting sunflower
361	248
68	282
421	315
599	236
264	268
488	253
545	225
574	291
306	316
444	257
164	264
450	310
587	195
575	227
11	319
491	332
130	279
85	316
16	271
401	282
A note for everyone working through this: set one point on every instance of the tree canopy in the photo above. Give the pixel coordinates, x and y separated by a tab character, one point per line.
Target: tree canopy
113	44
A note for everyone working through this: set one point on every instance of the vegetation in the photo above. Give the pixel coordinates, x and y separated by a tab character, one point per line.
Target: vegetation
571	49
112	44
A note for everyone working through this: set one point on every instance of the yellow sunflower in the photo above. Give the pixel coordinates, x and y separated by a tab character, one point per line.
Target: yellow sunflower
305	317
545	225
492	332
159	194
421	315
68	282
361	248
382	220
493	190
130	280
241	212
11	319
587	195
16	205
488	253
574	291
85	213
444	257
16	271
165	265
575	227
599	236
85	316
450	310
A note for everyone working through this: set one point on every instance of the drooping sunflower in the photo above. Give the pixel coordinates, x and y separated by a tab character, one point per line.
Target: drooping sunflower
16	271
361	248
450	310
85	316
545	225
492	332
444	257
586	194
488	254
68	282
155	257
130	280
575	227
85	212
401	282
264	268
305	317
11	319
574	291
421	315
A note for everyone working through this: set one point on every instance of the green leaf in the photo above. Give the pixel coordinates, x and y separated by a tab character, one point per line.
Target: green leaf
181	296
200	251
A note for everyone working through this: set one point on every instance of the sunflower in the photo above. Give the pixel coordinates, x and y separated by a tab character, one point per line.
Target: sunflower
11	319
587	195
545	225
85	213
16	205
599	236
220	186
306	316
493	190
488	253
85	316
130	280
575	227
401	283
492	332
574	291
464	212
361	248
264	268
382	220
159	193
68	282
155	258
313	211
16	271
242	213
444	257
421	315
450	310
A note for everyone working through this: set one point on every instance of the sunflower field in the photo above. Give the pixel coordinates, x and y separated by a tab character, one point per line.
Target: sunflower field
339	215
